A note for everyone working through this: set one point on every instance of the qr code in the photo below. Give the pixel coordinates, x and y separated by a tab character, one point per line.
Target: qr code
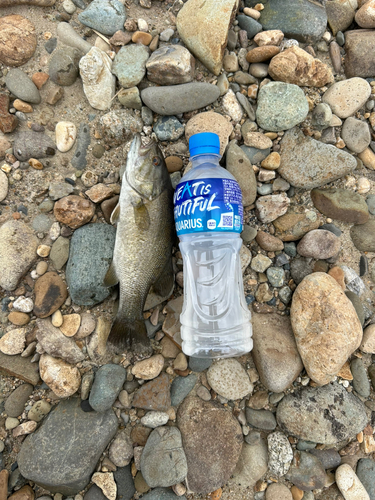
227	221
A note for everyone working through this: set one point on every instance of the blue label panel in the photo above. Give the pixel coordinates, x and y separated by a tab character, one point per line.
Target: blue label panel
208	205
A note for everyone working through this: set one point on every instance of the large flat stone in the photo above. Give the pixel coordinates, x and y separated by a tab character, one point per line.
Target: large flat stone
62	454
360	53
363	236
341	204
18	367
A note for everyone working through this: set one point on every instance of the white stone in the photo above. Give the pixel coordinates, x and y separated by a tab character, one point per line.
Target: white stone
349	484
63	378
13	342
231	106
363	185
23	304
166	35
57	318
348	96
106	483
148	368
69	6
3	185
142	24
97	78
66	133
228	378
368	340
155	419
55	231
25	428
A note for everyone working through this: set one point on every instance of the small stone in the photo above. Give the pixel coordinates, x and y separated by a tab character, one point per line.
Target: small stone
121	450
106	387
363	236
22	106
105	16
97	78
64	379
181	387
99	193
271	207
50	294
349	484
39	410
319	244
17	39
262	53
368	158
292	226
149	368
23	304
29	144
18	318
174	163
130	98
180	363
141	37
154	395
24	428
70	325
13	342
347	96
268	242
260	263
231	106
21	86
272	162
15	403
280	453
129	64
8	122
168	128
257	140
54	95
341	204
210	122
106	483
306	471
74	211
155	419
229	379
66	134
40	78
64	66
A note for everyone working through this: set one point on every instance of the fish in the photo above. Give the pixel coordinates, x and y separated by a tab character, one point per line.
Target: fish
145	236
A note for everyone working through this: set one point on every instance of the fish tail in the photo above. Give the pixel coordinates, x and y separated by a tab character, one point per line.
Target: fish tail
127	335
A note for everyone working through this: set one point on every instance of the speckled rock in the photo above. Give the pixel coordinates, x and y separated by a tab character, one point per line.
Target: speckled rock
356	134
119	126
229	379
270	207
347	96
280	453
129	64
63	378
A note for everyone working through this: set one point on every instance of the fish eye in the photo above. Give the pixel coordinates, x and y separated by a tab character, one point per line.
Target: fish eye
156	161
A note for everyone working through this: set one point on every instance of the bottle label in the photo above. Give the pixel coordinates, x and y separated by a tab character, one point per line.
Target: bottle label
208	205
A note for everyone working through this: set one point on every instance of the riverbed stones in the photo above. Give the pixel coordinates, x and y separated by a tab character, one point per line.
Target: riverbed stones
341	204
308	163
29	144
349	484
292	226
324	415
363	236
356	134
63	378
348	96
252	464
319	244
203	27
176	99
366	474
229	379
68	36
281	106
106	387
40	457
170	65
17	40
270	207
210	122
50	293
21	86
105	16
64	66
325	325
66	133
306	472
129	64
73	211
238	164
56	344
19	245
208	431
148	368
15	403
280	453
98	81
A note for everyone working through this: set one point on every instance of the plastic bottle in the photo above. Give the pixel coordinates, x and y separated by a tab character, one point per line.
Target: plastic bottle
215	319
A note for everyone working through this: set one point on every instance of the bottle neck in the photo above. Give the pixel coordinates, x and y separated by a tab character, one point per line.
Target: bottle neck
202	159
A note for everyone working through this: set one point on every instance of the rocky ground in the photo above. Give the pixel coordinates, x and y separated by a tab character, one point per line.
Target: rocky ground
288	85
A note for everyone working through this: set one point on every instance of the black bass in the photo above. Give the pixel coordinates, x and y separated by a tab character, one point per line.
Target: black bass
143	248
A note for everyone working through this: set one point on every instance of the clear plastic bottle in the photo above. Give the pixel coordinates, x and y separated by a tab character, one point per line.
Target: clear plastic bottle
215	319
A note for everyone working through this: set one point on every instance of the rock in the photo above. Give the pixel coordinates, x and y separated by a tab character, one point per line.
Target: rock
261	54
59	252
199	364
170	65
330	458
363	236
118	127
168	128
319	244
17	40
121	450
238	164
15	403
210	122
349	484
19	246
155	419
97	78
31	144
356	134
368	340
268	242
269	208
361	383
181	387
341	204
325	325
106	387
280	453
21	86
292	226
366	474
129	98
68	36
298	19
359	60
229	379
270	37
163	461
106	482
278	491
211	432
275	351
306	472
340	16
251	26
22	368
176	99
56	344
296	66
231	106
162	494
40	457
347	97
148	368
50	293
63	378
58	190
83	141
261	419
105	16
204	29
39	410
324	415
124	482
325	163
73	211
140	37
257	140
252	463
8	122
91	250
18	318
281	106
64	66
364	16
154	395
129	64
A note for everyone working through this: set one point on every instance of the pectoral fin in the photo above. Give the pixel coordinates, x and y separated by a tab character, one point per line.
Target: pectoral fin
115	215
142	217
110	278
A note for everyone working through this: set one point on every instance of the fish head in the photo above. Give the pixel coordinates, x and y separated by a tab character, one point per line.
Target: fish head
146	171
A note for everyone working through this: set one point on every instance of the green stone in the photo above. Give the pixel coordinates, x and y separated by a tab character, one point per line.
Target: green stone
363	236
341	204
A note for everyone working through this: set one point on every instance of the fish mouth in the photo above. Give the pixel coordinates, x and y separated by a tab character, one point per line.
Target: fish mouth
145	148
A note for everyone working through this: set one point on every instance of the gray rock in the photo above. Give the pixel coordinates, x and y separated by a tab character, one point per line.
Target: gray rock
56	344
58	190
124	482
248	234
305	445
129	64
199	364
42	223
300	268
94	493
299	19
361	383
50	45
321	116
356	134
106	387
29	144
21	86
261	419
15	403
78	160
331	227
255	155
307	472
180	388
366	474
250	25
356	301
308	163
370	200
252	463
162	494
163	461
59	252
64	66
330	458
64	434
281	106
238	164
176	99
105	16
326	415
276	276
280	453
118	127
18	245
68	36
245	103
339	15
363	236
168	128
91	250
147	116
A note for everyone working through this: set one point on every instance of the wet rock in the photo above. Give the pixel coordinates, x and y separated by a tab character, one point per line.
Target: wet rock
211	432
63	378
64	66
319	244
17	40
170	65
238	164
292	226
229	379
325	163
154	395
327	330
347	96
105	16
280	453
98	82
269	208
306	472
40	457
74	211
118	127
252	464
21	86
275	351
341	204
210	122
324	415
129	64
29	144
50	293
56	344
83	141
363	236
19	246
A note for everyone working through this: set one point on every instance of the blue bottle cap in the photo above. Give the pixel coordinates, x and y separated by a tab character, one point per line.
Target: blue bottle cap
204	143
